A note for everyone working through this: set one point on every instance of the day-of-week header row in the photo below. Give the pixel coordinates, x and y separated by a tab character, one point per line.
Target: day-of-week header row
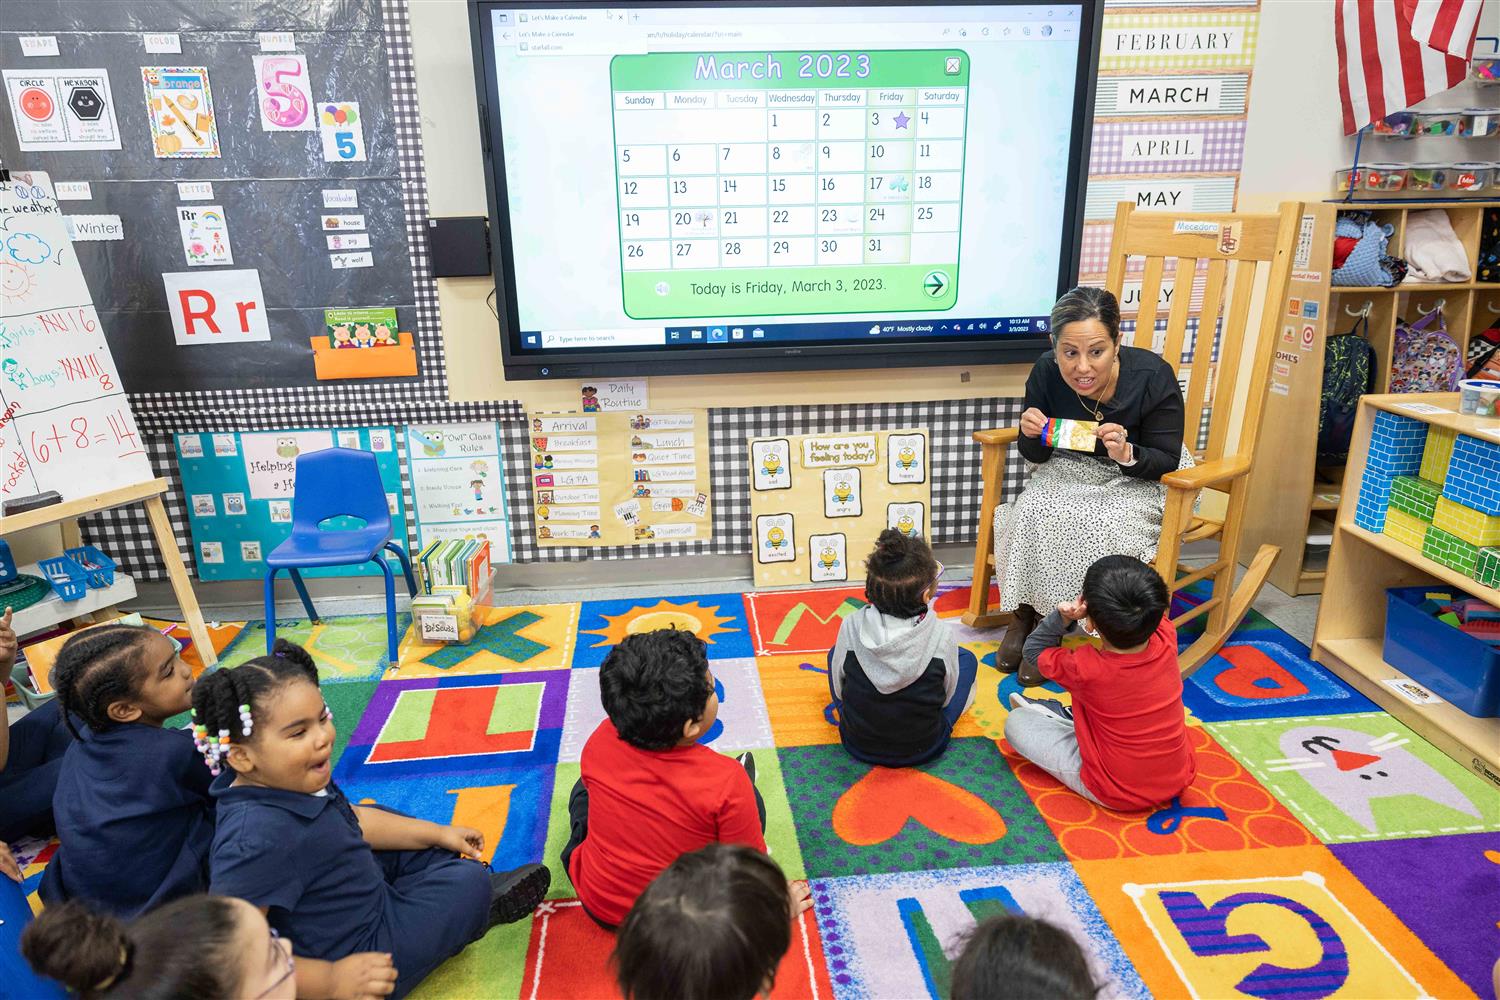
682	100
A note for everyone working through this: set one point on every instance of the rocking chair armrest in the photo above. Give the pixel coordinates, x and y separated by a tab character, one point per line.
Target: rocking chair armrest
998	436
1209	474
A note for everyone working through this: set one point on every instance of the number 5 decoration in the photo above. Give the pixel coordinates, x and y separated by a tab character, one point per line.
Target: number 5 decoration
285	93
343	131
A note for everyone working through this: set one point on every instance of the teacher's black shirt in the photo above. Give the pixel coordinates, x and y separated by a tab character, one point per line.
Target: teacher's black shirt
1147	403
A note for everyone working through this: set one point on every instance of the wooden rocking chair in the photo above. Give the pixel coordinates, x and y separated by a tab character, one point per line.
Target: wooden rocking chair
1248	260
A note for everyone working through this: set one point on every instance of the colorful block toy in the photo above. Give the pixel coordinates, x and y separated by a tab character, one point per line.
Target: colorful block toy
1473	527
1474	474
1396	444
1487	567
1404	528
1437	453
1450	550
1417	497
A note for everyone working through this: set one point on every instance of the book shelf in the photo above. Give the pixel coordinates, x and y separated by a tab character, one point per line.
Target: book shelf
1350	634
1294	497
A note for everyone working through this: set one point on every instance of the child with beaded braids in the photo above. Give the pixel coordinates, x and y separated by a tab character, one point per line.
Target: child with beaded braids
337	879
132	805
898	677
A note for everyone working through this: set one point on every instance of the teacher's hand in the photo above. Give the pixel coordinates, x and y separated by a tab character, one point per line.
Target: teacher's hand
1033	421
1114	438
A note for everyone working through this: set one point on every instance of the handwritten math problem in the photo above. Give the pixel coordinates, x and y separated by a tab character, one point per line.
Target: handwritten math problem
66	423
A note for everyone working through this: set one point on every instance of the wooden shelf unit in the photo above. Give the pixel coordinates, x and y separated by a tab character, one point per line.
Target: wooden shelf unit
1291	494
1350	634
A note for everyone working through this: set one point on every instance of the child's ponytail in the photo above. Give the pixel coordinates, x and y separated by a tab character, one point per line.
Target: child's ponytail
226	701
898	573
183	949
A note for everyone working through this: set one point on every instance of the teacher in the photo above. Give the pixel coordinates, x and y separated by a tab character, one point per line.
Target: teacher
1080	506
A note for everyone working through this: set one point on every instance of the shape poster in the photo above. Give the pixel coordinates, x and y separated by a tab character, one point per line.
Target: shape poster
240	488
65	424
181	109
620	478
819	501
458	479
62	108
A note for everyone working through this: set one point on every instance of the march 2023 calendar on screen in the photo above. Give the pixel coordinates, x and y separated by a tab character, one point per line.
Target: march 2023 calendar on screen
779	183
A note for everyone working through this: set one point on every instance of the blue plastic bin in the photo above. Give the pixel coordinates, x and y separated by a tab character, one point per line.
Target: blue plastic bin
1452	664
66	576
99	569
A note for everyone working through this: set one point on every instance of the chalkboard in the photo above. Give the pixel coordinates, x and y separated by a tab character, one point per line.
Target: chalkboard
269	184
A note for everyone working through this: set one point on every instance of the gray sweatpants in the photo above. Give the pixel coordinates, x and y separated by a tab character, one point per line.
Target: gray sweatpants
1049	742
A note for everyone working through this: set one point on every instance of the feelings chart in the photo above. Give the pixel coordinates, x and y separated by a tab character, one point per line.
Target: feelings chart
789	182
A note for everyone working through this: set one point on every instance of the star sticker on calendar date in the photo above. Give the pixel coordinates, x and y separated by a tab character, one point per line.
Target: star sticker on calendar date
902	119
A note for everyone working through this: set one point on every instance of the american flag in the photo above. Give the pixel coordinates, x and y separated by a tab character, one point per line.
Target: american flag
1395	53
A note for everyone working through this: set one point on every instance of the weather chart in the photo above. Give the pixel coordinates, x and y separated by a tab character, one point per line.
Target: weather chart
789	182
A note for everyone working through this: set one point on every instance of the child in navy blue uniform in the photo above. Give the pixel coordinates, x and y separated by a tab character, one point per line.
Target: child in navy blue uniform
31	753
898	677
336	879
132	807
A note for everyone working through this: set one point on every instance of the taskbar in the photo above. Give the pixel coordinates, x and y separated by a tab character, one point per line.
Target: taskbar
772	334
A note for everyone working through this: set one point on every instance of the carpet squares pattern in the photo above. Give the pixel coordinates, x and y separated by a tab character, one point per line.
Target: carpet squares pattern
1323	851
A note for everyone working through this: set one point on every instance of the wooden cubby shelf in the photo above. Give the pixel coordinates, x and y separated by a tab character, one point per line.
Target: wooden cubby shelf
1362	565
1291	496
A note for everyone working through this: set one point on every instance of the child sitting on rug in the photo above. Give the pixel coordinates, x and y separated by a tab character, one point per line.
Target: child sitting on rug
648	792
337	879
132	804
197	946
898	677
31	756
715	924
1014	956
1124	744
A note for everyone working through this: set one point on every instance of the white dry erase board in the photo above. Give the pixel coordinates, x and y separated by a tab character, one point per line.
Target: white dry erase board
65	424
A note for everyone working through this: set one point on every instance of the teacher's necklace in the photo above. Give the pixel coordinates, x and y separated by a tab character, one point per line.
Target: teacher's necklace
1093	406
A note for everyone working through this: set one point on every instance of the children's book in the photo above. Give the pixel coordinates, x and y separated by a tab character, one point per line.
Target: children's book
1074	435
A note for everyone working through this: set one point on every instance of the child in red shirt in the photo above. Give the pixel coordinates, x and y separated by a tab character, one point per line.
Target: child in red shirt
648	791
1124	744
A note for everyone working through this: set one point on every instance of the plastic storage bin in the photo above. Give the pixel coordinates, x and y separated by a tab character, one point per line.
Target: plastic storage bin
66	576
98	567
1455	666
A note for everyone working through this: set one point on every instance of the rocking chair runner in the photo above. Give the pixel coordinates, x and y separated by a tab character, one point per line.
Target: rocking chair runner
1249	261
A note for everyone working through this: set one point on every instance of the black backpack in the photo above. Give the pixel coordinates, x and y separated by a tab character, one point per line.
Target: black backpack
1348	373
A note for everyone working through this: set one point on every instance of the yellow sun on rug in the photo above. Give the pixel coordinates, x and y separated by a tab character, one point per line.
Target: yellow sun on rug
703	622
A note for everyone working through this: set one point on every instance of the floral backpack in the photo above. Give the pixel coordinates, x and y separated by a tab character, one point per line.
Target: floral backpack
1425	360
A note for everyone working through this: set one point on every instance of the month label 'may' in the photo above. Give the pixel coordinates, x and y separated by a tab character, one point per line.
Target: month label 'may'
780	183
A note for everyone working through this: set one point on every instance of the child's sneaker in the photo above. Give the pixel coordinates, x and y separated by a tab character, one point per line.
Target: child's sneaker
514	894
1049	705
747	761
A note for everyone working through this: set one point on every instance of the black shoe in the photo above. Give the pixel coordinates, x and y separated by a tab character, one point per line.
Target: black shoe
514	894
1050	705
747	761
1008	659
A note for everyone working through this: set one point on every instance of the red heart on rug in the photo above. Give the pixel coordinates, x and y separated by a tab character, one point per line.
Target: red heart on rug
878	805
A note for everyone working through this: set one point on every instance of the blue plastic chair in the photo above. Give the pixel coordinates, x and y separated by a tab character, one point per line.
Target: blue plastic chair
337	482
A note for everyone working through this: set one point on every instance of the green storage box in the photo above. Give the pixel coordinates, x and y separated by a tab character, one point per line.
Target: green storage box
1450	550
1415	496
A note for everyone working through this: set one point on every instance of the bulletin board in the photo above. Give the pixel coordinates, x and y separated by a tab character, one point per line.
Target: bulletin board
608	479
239	491
227	196
819	501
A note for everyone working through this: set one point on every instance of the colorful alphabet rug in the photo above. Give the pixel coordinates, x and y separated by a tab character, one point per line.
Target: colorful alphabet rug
1324	850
